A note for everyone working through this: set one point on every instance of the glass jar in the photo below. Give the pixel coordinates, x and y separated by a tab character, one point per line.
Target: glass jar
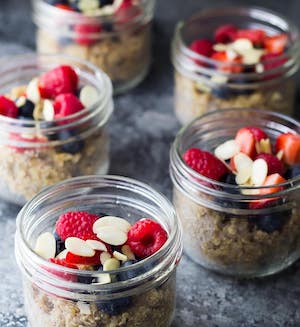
35	154
122	48
208	86
147	299
220	232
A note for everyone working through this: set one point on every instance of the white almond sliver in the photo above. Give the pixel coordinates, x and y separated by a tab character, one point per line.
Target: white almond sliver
32	91
111	221
62	254
48	110
103	279
279	154
21	101
243	176
128	252
111	264
96	245
120	256
242	45
88	95
78	246
259	172
104	256
111	235
45	246
227	150
243	165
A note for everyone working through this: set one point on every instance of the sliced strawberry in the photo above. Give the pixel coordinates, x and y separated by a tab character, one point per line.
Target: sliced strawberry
66	276
256	36
79	260
274	164
273	179
276	43
86	34
258	133
225	34
269	61
232	66
8	108
290	145
246	140
64	7
66	104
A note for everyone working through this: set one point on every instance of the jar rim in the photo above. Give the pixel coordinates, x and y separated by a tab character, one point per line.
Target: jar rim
168	248
100	109
190	58
216	187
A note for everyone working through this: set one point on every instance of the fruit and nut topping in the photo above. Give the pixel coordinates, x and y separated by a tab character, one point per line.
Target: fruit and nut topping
86	241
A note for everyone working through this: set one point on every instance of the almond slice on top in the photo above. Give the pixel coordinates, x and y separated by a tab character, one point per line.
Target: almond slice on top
79	247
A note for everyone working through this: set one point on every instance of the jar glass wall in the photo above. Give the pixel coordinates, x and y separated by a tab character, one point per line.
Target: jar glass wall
221	231
119	44
148	299
35	154
204	84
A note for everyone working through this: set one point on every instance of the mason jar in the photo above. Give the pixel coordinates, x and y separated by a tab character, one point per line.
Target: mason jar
35	154
208	86
220	232
146	299
121	47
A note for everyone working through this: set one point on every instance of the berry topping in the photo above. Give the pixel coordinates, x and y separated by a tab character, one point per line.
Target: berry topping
86	34
146	237
273	179
205	163
258	133
62	79
246	141
127	12
273	163
76	224
225	34
202	47
271	61
256	36
232	64
64	7
8	108
64	263
82	260
289	144
66	104
276	43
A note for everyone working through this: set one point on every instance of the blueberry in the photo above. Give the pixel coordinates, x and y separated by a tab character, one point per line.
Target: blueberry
293	171
107	26
229	179
57	2
74	5
128	274
272	222
26	110
72	147
114	307
103	3
60	244
222	92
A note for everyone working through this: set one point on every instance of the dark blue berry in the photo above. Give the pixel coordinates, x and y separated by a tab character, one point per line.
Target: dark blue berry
293	171
72	147
60	244
107	26
229	178
103	3
26	110
222	92
114	307
57	2
130	273
272	222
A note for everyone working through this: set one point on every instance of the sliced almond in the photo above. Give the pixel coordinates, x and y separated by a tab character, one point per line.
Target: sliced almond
62	254
242	45
89	95
104	256
243	165
252	57
111	235
120	256
279	154
78	246
227	150
259	68
265	146
21	101
220	47
259	172
96	245
111	264
32	91
45	245
128	252
111	221
103	279
48	110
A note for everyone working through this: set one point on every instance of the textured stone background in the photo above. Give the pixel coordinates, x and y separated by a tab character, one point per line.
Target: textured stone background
140	149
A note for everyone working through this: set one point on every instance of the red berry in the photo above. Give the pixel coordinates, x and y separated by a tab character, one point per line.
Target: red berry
276	43
258	133
205	163
64	7
77	224
66	104
202	47
146	237
256	36
270	61
290	145
79	260
86	34
274	164
246	141
225	34
62	79
8	107
126	12
232	66
63	262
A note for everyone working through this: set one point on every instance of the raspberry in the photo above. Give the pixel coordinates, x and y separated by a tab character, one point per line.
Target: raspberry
79	260
274	164
84	33
146	237
77	224
225	34
8	107
63	262
62	79
202	47
205	163
257	133
66	104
